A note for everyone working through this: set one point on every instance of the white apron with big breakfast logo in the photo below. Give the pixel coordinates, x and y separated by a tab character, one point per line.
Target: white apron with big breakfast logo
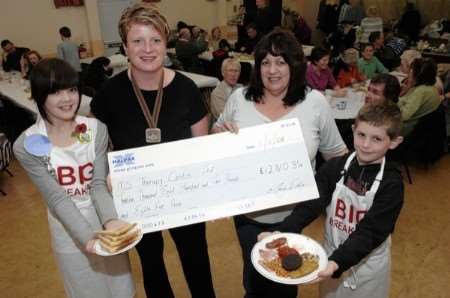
370	278
85	275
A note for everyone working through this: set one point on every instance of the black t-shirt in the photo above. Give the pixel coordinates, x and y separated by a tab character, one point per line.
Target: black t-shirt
117	106
12	61
377	224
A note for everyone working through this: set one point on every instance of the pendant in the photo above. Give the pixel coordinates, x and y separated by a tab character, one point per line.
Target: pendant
153	135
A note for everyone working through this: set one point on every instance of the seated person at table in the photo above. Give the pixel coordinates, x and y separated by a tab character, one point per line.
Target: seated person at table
28	61
447	86
362	195
253	38
215	38
422	97
318	73
231	69
187	50
98	73
343	38
403	72
376	39
223	50
368	64
384	88
198	33
11	56
346	69
406	59
371	23
387	48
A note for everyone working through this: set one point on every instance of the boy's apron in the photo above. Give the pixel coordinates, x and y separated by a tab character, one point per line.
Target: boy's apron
369	278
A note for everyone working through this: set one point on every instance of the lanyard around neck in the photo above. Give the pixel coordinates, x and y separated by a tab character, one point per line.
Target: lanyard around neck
152	120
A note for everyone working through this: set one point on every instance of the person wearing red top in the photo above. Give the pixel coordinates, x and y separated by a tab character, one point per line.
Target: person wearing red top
346	69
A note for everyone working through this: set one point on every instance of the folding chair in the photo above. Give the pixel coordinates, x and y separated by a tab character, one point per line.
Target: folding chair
5	156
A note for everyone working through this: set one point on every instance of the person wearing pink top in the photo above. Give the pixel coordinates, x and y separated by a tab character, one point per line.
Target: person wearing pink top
318	74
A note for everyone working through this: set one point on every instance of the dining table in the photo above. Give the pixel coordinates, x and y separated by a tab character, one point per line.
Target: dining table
119	63
348	106
345	109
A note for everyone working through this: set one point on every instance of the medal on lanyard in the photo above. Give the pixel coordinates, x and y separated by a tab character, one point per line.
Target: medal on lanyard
152	133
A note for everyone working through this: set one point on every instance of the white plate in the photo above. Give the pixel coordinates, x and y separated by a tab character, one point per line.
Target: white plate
302	244
103	252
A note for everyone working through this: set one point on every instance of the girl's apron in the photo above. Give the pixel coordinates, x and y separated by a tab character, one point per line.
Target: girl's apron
369	278
84	274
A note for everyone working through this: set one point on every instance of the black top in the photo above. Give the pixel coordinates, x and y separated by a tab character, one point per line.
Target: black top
12	61
377	224
327	17
117	106
251	43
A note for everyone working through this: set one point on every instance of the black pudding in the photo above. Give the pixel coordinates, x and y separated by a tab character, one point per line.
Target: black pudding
291	262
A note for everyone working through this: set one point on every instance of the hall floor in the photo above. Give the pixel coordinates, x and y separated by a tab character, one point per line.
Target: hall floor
420	246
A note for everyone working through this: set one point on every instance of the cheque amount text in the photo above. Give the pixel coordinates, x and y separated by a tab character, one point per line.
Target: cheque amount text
275	168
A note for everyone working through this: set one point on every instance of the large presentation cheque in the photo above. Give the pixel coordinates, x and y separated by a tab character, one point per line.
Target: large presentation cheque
204	178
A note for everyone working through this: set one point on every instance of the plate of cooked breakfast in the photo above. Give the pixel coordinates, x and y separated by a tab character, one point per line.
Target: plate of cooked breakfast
289	258
114	242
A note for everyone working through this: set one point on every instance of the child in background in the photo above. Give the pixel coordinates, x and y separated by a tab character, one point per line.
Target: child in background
362	195
68	50
346	69
368	64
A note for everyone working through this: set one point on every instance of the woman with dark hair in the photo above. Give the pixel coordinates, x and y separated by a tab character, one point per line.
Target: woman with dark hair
98	72
65	156
422	96
318	73
277	91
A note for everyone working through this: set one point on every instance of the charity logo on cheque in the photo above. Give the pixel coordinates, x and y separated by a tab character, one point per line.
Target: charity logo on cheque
121	160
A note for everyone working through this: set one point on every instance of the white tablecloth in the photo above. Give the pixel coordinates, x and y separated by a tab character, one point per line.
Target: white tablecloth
15	92
346	107
307	50
201	81
120	63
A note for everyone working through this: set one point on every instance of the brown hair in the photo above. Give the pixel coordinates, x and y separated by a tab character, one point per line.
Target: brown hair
32	52
143	13
382	115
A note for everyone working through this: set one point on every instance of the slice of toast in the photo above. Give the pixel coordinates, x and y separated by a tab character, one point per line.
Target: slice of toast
115	248
118	232
114	241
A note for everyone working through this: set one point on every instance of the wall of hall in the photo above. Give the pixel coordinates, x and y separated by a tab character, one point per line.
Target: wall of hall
35	24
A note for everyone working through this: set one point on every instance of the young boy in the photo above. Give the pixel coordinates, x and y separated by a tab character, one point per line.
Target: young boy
363	196
368	64
68	50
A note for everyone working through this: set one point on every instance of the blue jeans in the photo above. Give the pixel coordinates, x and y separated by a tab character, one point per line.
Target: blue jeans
256	285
